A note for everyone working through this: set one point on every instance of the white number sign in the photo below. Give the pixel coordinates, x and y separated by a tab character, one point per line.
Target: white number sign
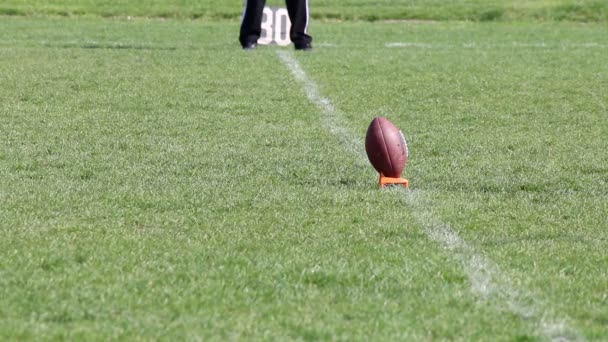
275	27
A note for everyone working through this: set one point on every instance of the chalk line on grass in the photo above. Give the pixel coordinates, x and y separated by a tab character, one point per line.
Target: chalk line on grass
411	44
475	45
331	119
487	281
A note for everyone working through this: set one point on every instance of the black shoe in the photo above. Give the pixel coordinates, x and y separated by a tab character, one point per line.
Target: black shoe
250	46
303	46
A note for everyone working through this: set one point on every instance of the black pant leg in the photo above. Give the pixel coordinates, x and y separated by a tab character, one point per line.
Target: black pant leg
251	26
299	16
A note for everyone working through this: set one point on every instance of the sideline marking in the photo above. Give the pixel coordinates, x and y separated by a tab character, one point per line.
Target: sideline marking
487	281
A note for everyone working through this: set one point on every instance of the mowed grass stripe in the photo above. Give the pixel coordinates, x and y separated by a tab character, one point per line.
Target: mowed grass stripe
487	281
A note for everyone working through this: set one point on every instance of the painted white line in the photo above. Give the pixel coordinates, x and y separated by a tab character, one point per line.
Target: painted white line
409	44
487	281
331	119
325	44
474	45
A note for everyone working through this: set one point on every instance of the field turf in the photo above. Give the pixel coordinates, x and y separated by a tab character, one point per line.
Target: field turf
158	183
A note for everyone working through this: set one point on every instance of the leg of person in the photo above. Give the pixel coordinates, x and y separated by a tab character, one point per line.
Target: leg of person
299	16
251	25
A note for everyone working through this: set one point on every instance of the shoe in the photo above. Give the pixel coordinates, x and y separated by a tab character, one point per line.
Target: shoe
303	46
250	46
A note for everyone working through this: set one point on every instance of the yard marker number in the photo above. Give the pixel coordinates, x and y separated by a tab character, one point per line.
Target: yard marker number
275	27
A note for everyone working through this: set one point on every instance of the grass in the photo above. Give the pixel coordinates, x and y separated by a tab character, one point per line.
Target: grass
475	10
158	183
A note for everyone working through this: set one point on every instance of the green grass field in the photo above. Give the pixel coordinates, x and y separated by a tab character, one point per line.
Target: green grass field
158	183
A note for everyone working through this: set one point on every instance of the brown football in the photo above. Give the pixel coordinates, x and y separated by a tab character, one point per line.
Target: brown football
386	147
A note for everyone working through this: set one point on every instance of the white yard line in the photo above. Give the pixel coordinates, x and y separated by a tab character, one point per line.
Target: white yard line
487	281
331	119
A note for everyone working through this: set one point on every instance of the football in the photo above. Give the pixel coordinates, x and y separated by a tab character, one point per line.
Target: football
386	147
